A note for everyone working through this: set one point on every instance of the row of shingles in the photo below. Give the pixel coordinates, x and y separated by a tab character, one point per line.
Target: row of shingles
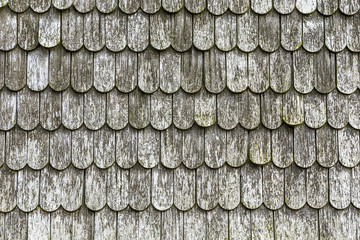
173	224
238	213
184	180
306	223
213	146
169	70
181	30
217	7
50	109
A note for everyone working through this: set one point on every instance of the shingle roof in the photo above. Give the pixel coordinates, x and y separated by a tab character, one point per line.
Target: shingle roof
179	119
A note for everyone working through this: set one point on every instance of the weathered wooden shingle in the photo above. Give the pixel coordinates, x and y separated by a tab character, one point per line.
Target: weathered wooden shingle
50	189
193	147
337	109
161	110
315	109
203	27
349	142
50	109
269	31
49	28
302	224
95	188
94	30
271	109
37	69
348	71
226	31
280	70
215	140
327	146
317	186
170	70
258	70
129	6
354	111
18	5
138	31
8	33
246	23
291	30
339	186
139	109
104	147
304	70
28	27
184	188
192	70
148	147
84	6
304	146
139	185
207	187
205	108
82	70
104	70
28	189
38	224
313	33
228	110
352	32
293	107
183	109
116	30
15	69
251	186
8	189
117	109
325	73
72	109
126	147
72	25
7	109
182	25
82	152
160	30
60	148
117	181
16	149
171	147
94	109
295	187
59	68
214	70
273	188
237	78
126	70
282	146
335	30
195	7
61	224
249	109
149	70
162	187
28	109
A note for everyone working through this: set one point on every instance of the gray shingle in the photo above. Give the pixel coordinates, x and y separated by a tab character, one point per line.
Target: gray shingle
184	189
28	28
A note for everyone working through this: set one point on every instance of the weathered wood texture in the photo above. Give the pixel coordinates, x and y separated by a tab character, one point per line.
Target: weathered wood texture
179	119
